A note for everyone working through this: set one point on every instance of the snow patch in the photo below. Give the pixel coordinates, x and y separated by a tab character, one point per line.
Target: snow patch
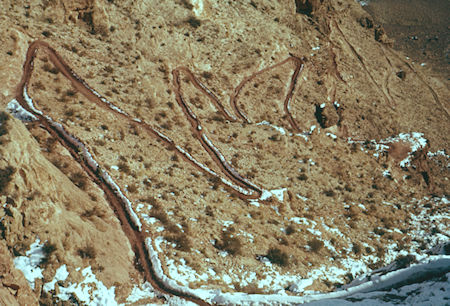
281	130
18	112
277	193
29	264
137	294
60	275
90	290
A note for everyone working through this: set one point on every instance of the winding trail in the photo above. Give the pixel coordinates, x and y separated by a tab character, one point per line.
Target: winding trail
199	132
74	146
120	204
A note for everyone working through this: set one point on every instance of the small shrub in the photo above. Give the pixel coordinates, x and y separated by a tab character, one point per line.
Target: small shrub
209	211
302	177
194	22
278	257
93	197
229	243
290	229
159	213
49	68
3	123
329	193
123	167
132	188
250	288
69	113
316	245
48	249
87	252
95	211
207	75
181	240
99	142
379	231
356	248
6	177
404	261
79	179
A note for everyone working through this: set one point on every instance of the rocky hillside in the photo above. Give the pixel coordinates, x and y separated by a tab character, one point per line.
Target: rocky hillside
262	147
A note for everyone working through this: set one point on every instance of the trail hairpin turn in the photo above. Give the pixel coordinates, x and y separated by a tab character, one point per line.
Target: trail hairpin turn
122	207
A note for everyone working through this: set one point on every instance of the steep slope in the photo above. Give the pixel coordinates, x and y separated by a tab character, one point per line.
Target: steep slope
265	147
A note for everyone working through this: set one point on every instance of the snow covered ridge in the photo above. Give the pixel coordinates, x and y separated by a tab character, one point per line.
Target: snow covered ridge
382	279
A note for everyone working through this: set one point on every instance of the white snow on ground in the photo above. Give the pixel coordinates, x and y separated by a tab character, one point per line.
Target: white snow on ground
29	264
90	291
184	274
281	130
331	135
363	2
19	112
431	292
438	153
415	140
424	222
60	275
145	291
277	193
271	279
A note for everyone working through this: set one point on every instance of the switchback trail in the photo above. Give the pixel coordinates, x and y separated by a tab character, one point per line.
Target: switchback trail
119	203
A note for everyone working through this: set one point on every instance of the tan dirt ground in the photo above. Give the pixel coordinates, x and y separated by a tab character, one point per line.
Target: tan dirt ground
127	50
